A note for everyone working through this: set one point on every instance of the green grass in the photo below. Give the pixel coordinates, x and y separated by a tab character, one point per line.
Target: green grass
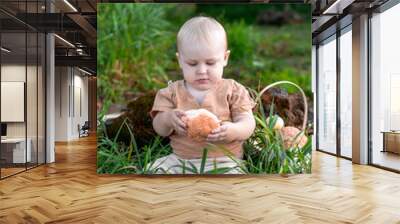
264	153
133	45
115	157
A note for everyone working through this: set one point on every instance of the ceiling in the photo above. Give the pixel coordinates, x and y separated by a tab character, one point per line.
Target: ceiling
72	20
329	15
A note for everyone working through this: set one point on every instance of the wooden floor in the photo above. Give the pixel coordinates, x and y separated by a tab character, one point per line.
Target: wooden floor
10	171
387	159
70	191
5	172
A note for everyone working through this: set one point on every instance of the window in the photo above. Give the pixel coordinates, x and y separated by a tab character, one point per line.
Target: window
346	92
385	88
327	95
23	76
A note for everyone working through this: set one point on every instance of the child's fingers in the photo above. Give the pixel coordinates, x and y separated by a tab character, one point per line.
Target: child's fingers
218	134
184	119
216	137
219	129
181	124
180	113
215	131
211	139
181	118
181	131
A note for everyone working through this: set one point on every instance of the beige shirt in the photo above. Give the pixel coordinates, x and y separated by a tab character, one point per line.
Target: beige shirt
226	99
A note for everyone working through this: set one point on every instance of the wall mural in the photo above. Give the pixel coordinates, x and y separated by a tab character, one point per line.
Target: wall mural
204	89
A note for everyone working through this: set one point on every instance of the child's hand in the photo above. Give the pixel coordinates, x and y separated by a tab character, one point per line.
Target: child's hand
224	133
178	121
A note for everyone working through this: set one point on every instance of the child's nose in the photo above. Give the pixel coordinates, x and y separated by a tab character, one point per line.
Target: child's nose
202	68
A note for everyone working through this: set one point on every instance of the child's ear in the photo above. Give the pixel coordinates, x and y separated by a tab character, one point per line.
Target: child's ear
226	57
179	61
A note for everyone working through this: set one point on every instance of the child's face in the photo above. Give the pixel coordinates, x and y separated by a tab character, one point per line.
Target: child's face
203	64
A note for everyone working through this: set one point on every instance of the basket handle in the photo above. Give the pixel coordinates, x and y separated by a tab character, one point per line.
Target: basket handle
302	93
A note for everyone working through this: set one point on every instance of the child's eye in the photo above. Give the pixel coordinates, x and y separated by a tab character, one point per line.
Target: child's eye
192	64
210	63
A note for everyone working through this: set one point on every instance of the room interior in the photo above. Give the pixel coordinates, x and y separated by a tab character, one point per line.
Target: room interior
29	59
333	45
22	101
356	160
385	89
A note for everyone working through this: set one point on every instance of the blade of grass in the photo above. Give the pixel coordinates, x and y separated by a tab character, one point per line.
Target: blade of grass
203	160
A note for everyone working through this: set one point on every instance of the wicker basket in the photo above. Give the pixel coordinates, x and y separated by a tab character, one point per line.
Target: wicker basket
302	93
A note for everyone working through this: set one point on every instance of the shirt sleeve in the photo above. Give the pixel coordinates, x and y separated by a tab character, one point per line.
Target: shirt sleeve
240	100
164	101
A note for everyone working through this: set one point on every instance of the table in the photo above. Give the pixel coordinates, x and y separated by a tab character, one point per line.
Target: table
391	141
13	150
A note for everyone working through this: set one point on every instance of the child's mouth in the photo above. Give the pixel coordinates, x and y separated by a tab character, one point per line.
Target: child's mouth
202	81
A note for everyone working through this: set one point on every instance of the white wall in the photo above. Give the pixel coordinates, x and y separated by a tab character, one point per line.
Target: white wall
360	90
61	103
70	83
33	127
314	90
50	96
12	73
80	100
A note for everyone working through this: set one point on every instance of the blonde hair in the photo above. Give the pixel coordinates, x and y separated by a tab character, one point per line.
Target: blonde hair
200	28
